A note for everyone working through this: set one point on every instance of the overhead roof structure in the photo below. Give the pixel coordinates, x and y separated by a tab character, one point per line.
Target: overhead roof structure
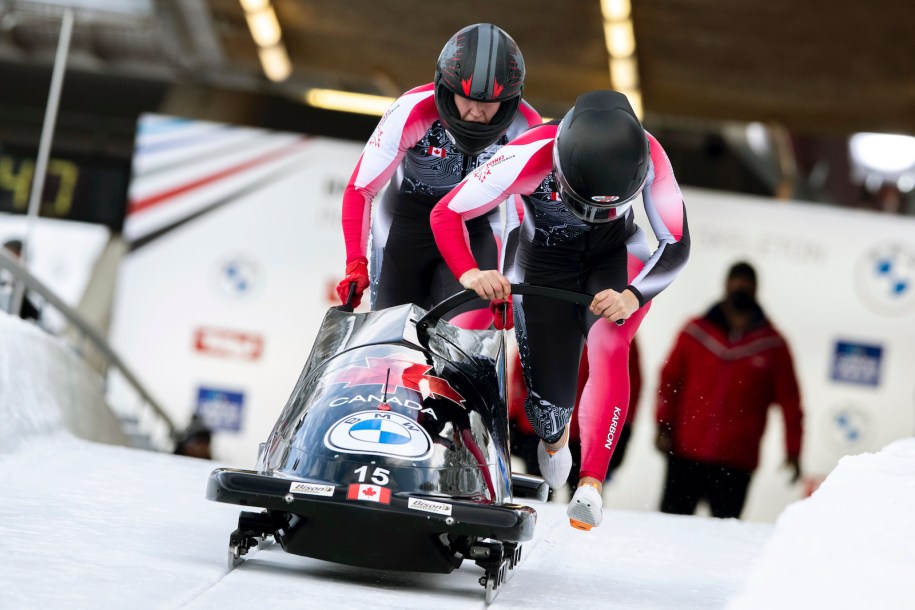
814	65
815	71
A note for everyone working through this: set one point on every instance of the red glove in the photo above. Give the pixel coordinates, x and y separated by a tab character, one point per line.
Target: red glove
503	316
357	272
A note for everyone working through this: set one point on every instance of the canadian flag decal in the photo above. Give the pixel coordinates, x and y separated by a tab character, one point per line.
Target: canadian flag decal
370	493
395	370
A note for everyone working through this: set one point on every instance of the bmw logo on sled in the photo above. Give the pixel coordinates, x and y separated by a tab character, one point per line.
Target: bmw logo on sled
392	450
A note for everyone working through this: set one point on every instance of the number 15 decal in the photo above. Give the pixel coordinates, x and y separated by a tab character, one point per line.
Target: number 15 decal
379	475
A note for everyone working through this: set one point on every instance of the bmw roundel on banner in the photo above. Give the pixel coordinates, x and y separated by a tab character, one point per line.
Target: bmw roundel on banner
380	433
885	278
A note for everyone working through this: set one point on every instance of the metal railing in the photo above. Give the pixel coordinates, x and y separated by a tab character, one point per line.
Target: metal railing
146	422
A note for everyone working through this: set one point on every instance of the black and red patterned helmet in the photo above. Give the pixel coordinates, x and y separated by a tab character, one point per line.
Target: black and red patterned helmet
482	63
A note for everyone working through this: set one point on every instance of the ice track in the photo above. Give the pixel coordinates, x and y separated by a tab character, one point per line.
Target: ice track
97	526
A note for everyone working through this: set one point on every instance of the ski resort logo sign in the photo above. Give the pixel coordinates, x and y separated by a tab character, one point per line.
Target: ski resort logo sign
380	433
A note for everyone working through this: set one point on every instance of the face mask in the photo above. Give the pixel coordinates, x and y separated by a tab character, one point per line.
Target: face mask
741	301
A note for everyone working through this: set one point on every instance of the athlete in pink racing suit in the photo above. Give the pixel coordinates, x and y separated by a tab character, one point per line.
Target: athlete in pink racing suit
578	180
425	144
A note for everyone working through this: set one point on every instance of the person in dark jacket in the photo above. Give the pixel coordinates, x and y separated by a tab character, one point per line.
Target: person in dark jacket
195	440
28	310
725	370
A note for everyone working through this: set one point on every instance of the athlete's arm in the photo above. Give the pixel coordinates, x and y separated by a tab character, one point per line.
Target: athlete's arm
788	396
516	169
526	118
514	216
404	123
667	215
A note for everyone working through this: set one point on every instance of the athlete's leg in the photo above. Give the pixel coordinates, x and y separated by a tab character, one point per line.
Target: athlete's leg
549	338
549	342
605	399
616	459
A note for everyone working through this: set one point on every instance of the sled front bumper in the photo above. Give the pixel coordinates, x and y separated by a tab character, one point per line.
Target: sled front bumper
372	534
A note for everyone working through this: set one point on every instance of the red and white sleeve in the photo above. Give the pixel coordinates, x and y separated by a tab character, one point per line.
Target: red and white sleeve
404	123
516	169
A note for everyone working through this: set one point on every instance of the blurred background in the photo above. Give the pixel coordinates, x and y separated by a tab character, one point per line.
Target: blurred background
197	151
758	96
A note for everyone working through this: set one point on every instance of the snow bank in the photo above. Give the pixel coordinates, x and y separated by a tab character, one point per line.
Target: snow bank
46	388
850	545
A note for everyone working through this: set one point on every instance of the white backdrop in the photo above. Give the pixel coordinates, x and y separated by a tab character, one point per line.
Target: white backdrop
61	254
220	313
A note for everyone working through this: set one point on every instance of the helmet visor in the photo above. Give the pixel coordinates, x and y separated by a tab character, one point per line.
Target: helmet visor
599	208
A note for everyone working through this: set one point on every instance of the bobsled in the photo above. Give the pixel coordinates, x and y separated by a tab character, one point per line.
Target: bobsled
392	450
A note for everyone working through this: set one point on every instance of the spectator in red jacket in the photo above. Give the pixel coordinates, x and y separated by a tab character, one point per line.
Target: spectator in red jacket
725	370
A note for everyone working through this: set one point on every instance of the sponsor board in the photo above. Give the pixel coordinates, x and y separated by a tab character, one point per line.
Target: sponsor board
856	363
231	344
220	409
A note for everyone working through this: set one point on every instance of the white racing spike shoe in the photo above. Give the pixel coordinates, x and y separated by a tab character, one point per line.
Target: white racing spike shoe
585	508
554	465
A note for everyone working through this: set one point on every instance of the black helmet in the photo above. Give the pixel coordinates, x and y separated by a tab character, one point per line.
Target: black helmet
600	156
482	63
